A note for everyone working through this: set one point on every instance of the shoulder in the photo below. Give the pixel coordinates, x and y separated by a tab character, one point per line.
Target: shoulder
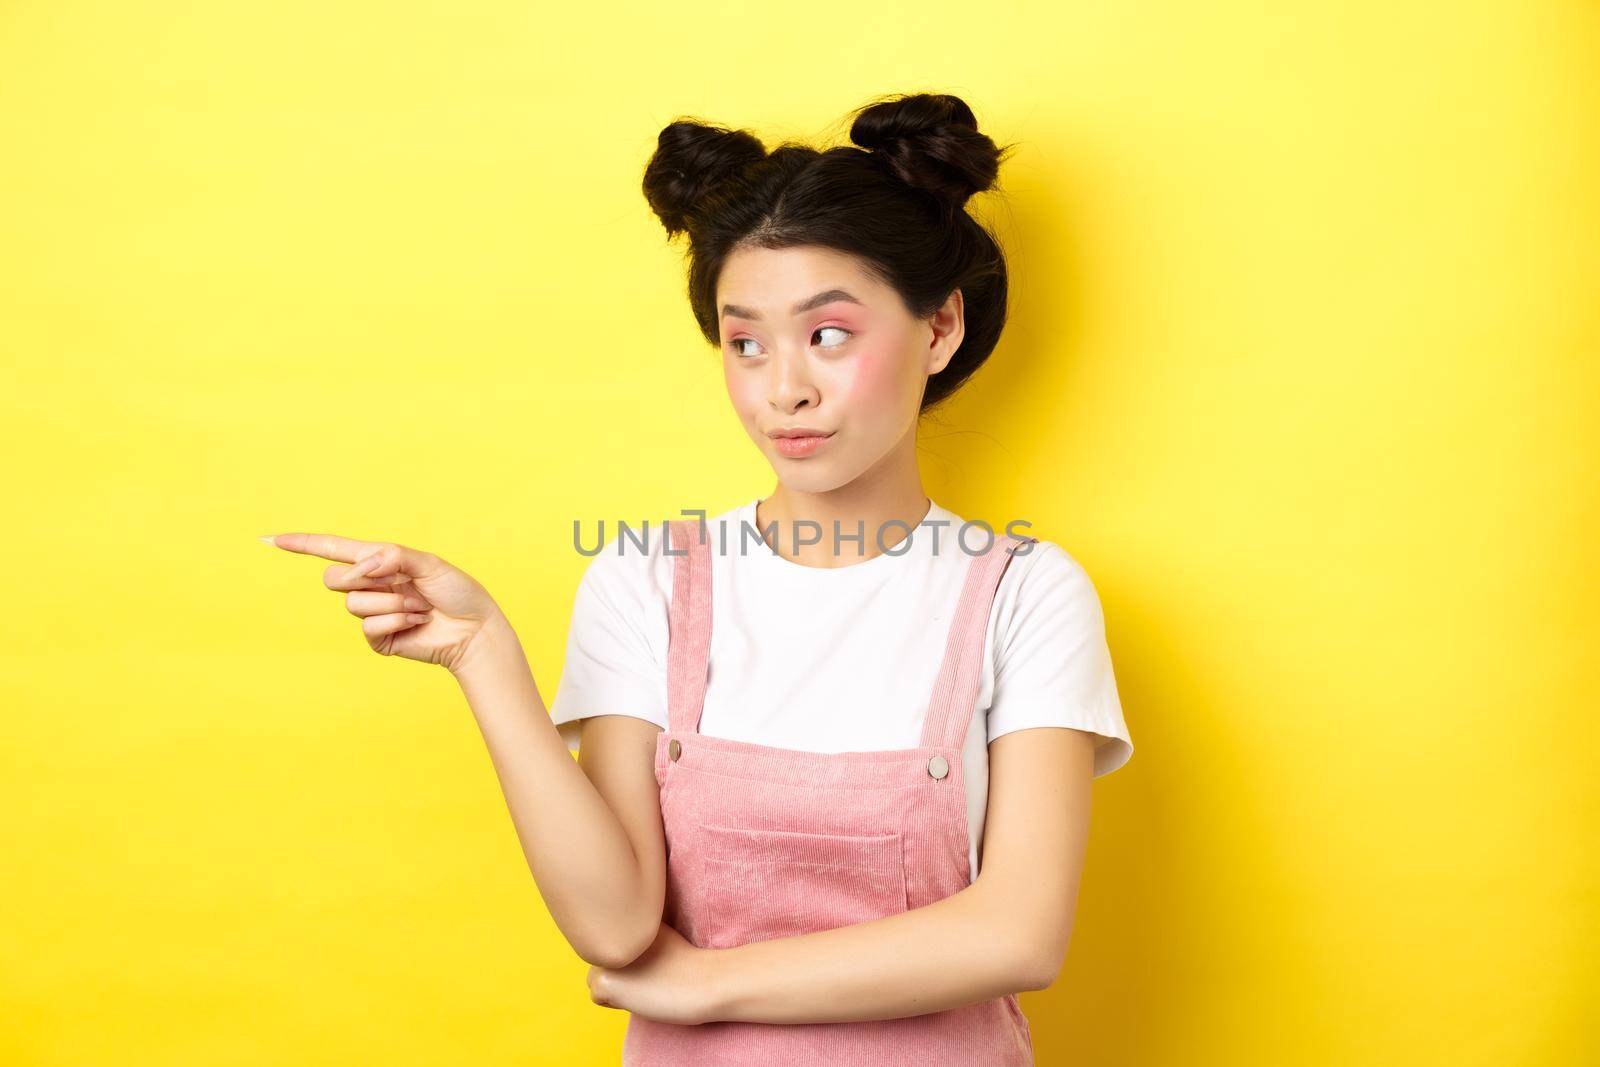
625	547
1052	663
630	564
1045	582
618	636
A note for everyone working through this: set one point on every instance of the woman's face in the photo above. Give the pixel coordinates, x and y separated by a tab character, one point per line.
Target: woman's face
811	340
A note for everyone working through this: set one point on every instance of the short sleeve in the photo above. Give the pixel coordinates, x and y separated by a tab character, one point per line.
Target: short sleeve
1052	666
616	645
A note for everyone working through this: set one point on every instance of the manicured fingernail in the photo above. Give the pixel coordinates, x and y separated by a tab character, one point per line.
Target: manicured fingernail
362	566
413	604
421	618
271	539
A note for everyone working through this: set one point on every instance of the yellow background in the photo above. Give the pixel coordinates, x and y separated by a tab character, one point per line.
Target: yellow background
1302	367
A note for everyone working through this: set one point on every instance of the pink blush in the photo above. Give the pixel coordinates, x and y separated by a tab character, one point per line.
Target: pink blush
875	379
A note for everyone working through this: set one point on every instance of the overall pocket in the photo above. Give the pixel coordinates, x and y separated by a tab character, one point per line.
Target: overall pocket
760	884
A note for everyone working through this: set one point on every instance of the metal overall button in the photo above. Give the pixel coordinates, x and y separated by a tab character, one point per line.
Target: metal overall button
674	749
938	767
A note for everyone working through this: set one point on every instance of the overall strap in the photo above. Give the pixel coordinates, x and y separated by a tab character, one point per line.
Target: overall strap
688	624
955	692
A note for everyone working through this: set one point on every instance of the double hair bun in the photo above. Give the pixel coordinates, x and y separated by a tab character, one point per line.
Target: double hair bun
928	141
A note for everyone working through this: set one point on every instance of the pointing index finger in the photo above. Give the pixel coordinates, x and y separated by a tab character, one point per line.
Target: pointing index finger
328	546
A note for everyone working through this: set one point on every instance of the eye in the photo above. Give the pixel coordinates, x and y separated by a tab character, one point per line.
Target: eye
736	342
835	329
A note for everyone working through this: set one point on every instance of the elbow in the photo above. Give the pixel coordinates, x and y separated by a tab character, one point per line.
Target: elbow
616	949
613	956
1039	962
1037	971
615	938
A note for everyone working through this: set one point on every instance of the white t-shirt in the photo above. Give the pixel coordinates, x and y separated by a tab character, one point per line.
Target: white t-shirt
844	659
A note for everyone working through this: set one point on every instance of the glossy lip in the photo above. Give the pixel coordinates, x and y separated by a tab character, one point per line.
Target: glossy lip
798	431
798	446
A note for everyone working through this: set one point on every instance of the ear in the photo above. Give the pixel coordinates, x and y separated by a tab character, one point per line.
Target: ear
949	327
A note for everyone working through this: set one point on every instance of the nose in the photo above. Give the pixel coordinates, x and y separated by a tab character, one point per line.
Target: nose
789	386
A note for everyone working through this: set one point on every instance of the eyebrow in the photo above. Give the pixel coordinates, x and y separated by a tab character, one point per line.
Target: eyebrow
827	296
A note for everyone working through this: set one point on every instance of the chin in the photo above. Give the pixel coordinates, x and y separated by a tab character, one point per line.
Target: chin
807	476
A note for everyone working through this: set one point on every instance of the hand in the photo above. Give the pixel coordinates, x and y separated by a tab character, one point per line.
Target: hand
672	982
412	604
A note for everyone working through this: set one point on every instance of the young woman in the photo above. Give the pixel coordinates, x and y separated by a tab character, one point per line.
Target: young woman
835	745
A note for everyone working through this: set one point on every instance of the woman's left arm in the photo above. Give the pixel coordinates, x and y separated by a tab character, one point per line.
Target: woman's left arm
1005	933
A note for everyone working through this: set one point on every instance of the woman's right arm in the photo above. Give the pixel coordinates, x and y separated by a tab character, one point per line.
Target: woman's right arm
592	834
590	829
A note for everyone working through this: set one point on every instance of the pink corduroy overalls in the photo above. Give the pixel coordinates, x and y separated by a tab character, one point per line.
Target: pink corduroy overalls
767	842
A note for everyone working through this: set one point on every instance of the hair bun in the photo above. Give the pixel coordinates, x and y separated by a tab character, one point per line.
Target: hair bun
691	159
930	141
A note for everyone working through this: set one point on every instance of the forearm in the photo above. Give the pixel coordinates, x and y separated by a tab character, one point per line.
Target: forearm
581	858
959	950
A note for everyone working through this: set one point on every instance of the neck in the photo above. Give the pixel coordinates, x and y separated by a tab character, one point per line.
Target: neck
838	516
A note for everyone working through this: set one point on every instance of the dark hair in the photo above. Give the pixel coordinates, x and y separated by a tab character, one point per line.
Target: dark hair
897	202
